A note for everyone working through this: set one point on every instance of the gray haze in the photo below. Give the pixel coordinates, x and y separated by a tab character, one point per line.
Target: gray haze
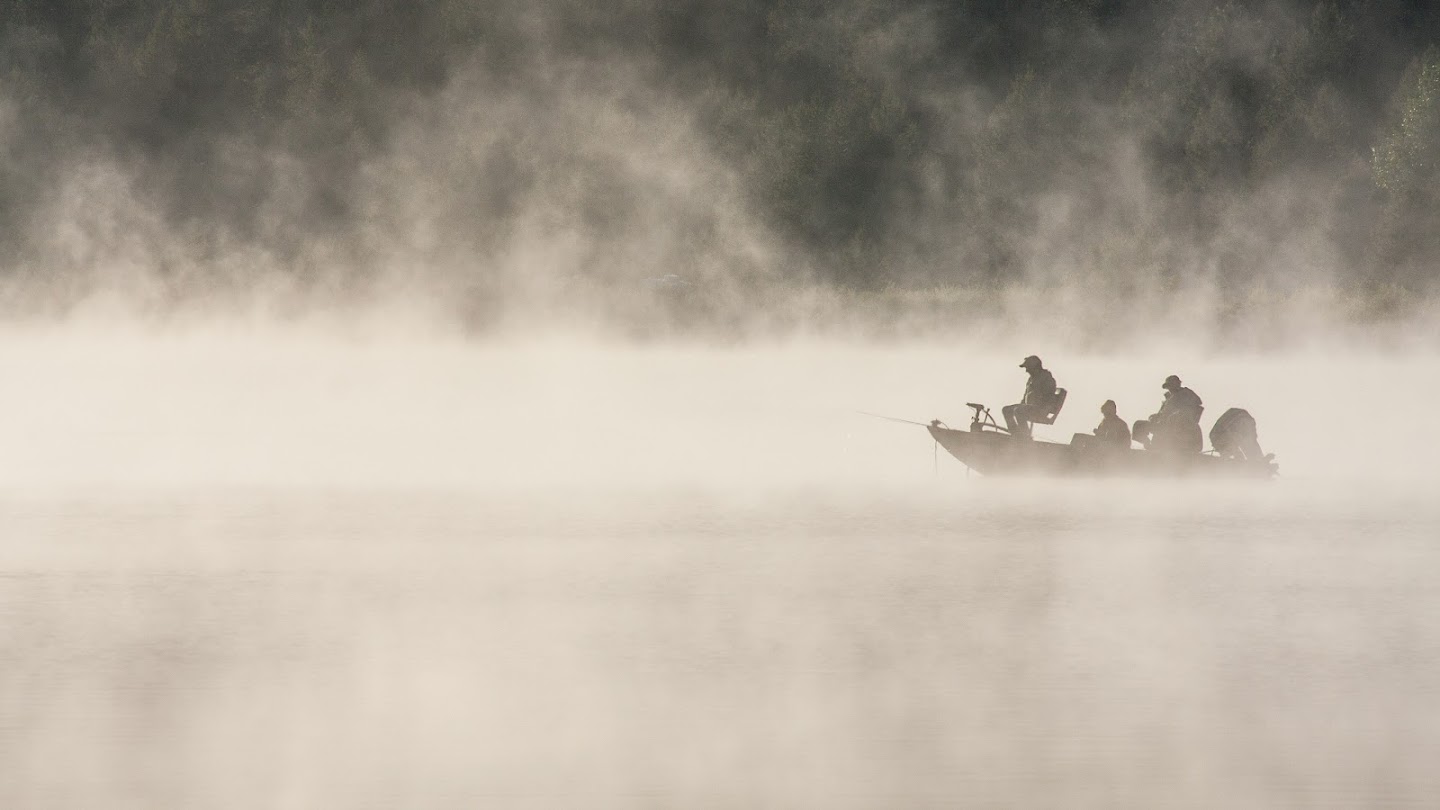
457	404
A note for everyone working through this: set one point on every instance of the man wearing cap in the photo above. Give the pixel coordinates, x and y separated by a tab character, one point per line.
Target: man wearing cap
1176	427
1037	401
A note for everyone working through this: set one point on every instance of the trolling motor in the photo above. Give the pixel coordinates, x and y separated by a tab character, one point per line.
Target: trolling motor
978	424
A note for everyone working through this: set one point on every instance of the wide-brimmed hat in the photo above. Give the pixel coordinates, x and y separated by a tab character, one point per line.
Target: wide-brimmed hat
1171	382
1032	360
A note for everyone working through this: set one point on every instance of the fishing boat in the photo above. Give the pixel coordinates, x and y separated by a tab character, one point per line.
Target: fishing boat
990	449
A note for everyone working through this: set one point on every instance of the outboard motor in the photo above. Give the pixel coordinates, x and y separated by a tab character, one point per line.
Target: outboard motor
1234	436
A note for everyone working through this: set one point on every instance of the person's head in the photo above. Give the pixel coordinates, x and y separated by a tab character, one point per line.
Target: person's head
1172	383
1030	363
1108	408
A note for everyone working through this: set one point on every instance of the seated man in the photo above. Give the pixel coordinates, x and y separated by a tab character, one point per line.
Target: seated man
1234	436
1112	431
1037	401
1176	427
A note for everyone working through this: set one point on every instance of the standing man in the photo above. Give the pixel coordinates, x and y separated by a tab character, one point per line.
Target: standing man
1037	401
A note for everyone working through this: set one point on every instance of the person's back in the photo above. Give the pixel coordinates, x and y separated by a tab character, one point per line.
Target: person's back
1039	388
1112	430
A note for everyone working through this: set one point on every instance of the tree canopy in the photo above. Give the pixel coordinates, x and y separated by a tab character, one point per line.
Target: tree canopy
899	142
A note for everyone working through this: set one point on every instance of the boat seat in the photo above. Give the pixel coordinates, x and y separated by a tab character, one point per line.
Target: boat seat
1049	417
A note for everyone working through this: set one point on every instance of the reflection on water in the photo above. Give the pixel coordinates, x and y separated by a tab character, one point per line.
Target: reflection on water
982	643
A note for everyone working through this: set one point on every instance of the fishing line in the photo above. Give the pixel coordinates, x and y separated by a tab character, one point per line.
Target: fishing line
892	418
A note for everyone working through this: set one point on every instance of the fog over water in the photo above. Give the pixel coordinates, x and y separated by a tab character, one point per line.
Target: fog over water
459	404
289	568
277	406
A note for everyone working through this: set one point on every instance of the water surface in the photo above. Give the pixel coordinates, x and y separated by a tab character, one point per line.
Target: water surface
341	577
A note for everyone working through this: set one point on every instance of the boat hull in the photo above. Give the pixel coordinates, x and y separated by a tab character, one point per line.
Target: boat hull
991	452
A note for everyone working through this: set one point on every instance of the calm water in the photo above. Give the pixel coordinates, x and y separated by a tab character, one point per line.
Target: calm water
980	644
395	578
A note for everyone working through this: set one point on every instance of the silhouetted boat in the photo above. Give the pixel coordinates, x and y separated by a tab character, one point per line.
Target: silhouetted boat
988	449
